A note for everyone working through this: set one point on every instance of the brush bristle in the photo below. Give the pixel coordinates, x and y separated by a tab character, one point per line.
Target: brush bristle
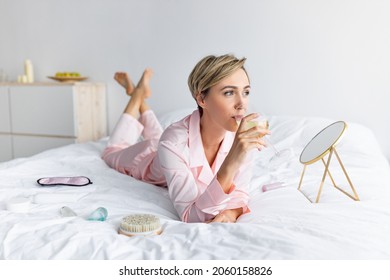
140	223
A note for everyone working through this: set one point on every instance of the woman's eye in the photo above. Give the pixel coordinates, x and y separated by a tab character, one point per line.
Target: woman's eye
228	93
246	93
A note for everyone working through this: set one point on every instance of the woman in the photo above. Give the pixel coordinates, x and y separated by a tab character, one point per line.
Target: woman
204	158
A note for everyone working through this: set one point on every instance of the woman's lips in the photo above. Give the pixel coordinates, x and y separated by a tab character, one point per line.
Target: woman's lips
238	119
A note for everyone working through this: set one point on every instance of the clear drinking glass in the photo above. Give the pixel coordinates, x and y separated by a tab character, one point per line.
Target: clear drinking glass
279	157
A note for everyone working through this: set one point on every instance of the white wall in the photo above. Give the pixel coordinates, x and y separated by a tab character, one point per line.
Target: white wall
327	58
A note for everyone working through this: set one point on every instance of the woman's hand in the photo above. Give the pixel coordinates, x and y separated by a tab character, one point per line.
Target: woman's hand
227	216
245	140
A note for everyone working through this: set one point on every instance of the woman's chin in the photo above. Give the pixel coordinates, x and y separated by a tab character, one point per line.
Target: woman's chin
232	128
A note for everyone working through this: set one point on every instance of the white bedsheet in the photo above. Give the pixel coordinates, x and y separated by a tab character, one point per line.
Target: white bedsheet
282	224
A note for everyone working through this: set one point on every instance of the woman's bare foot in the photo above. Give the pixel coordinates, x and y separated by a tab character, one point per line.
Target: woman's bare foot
138	94
123	79
143	83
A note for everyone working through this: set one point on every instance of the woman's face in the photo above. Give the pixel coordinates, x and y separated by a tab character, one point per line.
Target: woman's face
227	101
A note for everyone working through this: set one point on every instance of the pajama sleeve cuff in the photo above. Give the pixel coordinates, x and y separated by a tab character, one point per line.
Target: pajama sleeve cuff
214	199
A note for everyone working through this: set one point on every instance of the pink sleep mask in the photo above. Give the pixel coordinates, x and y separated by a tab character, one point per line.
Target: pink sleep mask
77	181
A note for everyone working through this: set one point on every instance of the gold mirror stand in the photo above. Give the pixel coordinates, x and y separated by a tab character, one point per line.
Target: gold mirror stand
332	150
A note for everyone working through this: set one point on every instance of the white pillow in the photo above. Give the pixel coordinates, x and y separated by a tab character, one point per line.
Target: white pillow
295	132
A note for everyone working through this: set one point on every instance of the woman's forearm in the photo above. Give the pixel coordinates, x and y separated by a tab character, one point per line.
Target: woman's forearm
226	173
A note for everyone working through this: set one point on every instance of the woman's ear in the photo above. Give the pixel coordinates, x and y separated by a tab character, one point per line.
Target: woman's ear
200	99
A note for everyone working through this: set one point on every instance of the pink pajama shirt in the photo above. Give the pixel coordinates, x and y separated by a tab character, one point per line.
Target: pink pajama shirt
176	158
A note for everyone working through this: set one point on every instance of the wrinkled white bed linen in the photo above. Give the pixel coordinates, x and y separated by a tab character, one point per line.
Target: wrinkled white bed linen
282	224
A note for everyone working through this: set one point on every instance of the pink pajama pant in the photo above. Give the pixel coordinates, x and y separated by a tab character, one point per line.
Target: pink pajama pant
137	159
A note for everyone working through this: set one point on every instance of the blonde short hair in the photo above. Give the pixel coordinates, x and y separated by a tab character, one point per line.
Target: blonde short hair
210	70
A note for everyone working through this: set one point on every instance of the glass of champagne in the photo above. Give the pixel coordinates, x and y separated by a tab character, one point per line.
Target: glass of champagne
279	160
279	157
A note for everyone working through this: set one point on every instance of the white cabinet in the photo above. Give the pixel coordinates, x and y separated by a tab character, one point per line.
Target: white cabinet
5	147
5	126
40	116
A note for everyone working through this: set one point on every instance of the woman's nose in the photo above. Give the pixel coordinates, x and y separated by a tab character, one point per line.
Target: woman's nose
240	102
238	106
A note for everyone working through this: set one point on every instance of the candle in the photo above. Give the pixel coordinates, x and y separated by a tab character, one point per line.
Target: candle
28	71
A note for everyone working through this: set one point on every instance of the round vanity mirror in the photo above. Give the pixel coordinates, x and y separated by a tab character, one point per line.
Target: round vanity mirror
320	145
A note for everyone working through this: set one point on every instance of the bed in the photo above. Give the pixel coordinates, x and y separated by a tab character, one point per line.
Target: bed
282	224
